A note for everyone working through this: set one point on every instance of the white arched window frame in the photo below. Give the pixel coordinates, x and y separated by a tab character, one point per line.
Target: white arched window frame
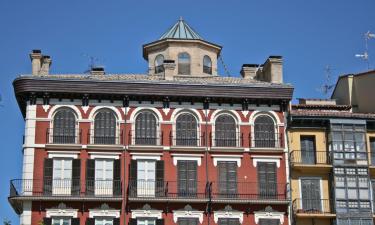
275	135
184	63
207	64
147	141
117	126
60	137
159	60
197	121
214	129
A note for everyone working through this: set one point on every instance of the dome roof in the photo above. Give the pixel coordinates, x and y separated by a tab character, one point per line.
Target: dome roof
181	30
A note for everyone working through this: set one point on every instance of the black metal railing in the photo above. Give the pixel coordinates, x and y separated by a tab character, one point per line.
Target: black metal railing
105	139
309	157
248	190
63	136
226	139
188	140
145	137
64	187
313	206
167	189
266	139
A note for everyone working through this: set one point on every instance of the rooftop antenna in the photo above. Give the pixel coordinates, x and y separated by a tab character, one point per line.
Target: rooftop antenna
93	62
326	88
365	56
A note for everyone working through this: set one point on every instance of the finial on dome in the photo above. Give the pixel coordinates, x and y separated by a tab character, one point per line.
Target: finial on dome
181	19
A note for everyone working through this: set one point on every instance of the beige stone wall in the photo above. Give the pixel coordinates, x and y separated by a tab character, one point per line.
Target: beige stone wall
196	52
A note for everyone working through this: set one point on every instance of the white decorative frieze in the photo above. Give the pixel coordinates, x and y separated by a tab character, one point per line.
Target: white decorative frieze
266	158
228	213
269	213
139	213
187	212
146	156
61	211
192	157
227	158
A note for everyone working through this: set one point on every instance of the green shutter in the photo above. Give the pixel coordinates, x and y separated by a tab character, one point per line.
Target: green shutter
159	184
74	221
117	177
90	176
47	176
133	178
76	176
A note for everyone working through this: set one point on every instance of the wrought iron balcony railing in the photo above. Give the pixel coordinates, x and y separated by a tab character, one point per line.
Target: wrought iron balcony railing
64	188
144	137
313	206
266	139
193	139
63	136
310	157
248	191
98	138
227	139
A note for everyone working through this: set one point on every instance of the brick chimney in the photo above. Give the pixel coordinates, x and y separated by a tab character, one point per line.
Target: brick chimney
169	69
273	69
97	71
248	71
36	61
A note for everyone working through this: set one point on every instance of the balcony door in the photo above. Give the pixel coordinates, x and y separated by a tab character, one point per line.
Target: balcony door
104	177
187	178
267	180
308	149
311	196
227	179
62	176
146	178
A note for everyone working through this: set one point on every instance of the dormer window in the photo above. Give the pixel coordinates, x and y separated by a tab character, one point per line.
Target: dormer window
159	64
184	63
207	65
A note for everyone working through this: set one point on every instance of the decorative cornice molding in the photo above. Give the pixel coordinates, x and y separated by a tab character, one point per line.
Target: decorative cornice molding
61	210
227	158
192	157
228	212
268	213
266	158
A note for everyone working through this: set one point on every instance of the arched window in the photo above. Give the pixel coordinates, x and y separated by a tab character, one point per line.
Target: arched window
225	131
264	132
105	127
159	60
145	129
186	130
207	65
64	127
184	63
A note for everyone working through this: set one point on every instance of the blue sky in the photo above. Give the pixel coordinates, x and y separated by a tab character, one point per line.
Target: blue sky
308	34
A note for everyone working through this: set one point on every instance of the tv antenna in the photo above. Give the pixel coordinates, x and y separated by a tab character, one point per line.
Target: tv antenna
365	56
93	62
328	84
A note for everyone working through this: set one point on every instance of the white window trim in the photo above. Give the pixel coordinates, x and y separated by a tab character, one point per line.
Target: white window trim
61	213
321	189
104	155
63	154
147	213
148	156
266	158
187	214
269	215
228	214
113	213
227	158
191	157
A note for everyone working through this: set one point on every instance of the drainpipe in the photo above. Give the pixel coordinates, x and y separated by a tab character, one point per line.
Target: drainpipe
288	167
206	156
124	159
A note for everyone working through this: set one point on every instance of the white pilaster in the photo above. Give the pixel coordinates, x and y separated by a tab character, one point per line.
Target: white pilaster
25	217
28	153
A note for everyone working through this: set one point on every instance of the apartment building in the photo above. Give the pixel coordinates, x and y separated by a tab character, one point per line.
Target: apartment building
178	145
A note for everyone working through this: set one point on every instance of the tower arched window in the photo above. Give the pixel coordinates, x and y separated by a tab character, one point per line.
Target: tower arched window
159	60
64	127
225	131
146	129
184	63
264	132
207	65
105	127
186	130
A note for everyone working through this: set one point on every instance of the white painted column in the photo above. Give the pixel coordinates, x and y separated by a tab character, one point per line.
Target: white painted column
25	217
28	149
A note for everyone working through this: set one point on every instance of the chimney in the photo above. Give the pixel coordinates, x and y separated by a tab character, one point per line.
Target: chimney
46	64
273	69
248	71
97	71
169	67
36	61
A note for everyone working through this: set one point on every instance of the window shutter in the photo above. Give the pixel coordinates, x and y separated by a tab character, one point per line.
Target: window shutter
160	222
133	178
262	179
232	178
116	221
117	177
48	175
132	221
90	176
76	176
90	221
47	221
192	178
159	178
75	221
64	123
105	127
222	166
181	176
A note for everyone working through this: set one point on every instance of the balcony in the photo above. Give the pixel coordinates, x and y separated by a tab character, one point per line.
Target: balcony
105	139
196	141
249	192
313	208
141	190
63	136
227	140
310	160
145	139
267	140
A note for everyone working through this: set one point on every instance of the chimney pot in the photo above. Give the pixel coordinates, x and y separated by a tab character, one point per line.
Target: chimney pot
248	71
97	71
273	69
46	64
36	61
